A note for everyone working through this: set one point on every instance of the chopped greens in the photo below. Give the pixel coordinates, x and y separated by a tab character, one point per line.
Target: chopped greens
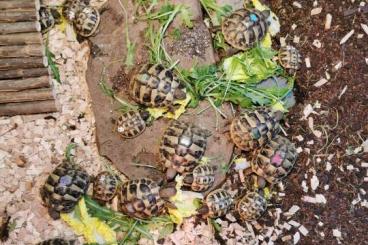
134	229
215	12
51	62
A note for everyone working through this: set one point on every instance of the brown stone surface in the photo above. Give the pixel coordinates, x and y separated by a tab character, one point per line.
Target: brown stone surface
111	44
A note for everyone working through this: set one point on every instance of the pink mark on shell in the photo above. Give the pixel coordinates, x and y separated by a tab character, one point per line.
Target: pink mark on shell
277	159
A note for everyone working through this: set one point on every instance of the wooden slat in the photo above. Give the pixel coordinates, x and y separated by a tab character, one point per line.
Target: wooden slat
11	109
32	50
24	73
21	39
22	63
23	84
18	4
19	27
18	15
26	95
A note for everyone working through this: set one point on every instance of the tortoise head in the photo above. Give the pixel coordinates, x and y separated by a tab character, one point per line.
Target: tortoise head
266	13
145	115
180	94
168	190
188	179
278	115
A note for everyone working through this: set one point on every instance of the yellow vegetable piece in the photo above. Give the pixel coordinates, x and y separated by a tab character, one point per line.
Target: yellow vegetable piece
267	42
204	161
164	112
278	106
93	229
274	27
184	202
267	193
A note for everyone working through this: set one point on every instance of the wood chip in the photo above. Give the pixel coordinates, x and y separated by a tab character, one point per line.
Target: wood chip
365	28
314	182
307	62
316	11
346	37
328	21
317	43
296	39
338	66
321	82
336	233
297	5
296	238
282	41
343	91
303	230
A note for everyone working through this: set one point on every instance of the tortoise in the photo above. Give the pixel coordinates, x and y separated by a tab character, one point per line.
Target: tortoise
105	186
182	147
251	206
71	8
253	128
132	123
275	160
216	204
201	178
245	28
144	198
57	241
155	86
290	58
86	21
64	187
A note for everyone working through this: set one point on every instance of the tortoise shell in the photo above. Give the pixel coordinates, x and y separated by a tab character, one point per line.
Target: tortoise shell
47	20
155	86
132	123
105	186
201	179
253	128
218	203
251	206
182	147
71	8
244	28
290	58
140	198
86	21
64	187
57	241
275	160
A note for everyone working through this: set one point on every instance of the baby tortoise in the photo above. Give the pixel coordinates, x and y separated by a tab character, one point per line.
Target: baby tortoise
48	18
216	204
251	206
86	21
57	241
156	86
105	186
144	198
201	178
64	187
253	128
132	123
71	8
182	147
275	160
245	28
290	58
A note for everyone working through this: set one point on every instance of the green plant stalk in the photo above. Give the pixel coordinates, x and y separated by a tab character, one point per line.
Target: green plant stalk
50	60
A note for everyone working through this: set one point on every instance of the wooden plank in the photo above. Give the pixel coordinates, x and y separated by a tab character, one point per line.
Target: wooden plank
17	51
21	39
34	107
18	15
24	73
18	4
26	95
19	27
22	63
23	84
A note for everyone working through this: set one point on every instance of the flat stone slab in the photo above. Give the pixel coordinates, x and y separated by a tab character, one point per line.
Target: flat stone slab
132	155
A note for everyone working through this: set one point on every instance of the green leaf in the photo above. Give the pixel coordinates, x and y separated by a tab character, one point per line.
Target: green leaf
68	152
186	16
50	60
